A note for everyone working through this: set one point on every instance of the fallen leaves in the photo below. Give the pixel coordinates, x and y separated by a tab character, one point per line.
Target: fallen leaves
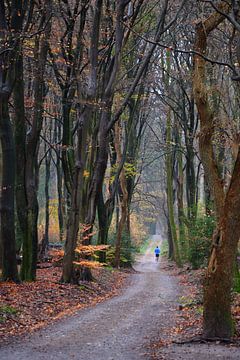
29	306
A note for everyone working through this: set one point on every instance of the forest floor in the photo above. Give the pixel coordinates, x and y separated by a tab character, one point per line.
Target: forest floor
29	306
157	308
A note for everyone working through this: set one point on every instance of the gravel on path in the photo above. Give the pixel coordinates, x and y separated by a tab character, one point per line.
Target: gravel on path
116	329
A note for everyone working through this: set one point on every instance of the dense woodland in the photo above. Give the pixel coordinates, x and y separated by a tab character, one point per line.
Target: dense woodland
115	116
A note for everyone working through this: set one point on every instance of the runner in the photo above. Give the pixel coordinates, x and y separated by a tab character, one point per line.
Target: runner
157	253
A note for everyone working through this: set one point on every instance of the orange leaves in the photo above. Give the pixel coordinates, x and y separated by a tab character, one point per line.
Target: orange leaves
56	254
88	263
89	250
82	252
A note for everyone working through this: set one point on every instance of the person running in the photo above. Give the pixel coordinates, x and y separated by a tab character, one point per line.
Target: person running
157	253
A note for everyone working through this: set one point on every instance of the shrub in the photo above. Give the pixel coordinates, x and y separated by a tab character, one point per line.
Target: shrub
200	235
126	253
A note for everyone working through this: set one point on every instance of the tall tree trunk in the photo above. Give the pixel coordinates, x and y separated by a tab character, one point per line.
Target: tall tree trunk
30	245
61	199
170	202
190	164
207	198
218	280
20	149
219	277
123	198
47	198
182	233
7	214
170	240
76	200
105	118
72	227
81	154
67	142
1	244
11	18
74	216
103	228
106	208
61	206
59	180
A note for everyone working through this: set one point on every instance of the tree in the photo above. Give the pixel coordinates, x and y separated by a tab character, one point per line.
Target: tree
81	152
11	21
32	138
218	280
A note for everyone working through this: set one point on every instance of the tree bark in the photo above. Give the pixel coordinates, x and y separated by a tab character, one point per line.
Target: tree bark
30	244
11	19
182	233
68	274
47	199
170	202
20	150
7	213
59	175
72	227
219	276
105	117
80	157
218	280
123	198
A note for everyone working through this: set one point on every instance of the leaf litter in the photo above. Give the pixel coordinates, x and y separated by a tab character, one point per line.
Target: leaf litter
28	306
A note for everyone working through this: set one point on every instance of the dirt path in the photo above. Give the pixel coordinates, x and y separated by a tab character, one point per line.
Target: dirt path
114	330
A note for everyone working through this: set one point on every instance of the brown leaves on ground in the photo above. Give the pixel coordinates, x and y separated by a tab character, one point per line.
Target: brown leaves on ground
29	306
188	315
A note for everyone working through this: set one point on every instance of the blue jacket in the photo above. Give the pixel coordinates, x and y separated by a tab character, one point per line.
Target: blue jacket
157	251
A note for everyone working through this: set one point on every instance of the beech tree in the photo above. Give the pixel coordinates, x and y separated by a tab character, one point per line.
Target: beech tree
218	280
11	22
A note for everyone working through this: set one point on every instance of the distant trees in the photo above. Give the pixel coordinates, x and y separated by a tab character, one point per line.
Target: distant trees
78	65
209	90
198	136
99	117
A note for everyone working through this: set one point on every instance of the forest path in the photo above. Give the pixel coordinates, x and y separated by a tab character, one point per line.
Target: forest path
116	329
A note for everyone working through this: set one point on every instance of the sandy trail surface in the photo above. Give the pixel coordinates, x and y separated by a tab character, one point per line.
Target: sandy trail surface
119	328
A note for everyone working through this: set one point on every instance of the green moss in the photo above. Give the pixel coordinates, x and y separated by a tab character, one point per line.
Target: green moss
109	268
199	310
236	280
5	309
81	287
